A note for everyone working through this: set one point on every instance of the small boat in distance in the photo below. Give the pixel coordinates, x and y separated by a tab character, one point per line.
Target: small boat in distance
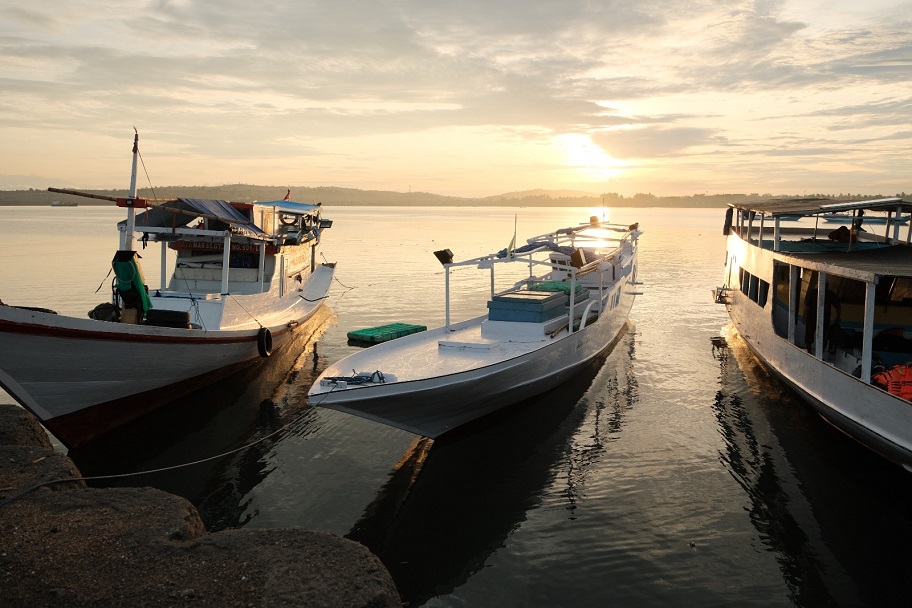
64	204
245	279
830	314
848	218
535	335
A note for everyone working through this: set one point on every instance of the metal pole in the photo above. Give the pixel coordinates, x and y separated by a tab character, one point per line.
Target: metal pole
446	268
226	260
821	300
261	267
127	240
164	264
867	338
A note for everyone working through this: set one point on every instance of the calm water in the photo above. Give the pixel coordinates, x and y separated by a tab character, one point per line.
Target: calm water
671	473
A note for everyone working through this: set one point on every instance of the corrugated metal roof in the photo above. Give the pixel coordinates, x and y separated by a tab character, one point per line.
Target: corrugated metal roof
812	206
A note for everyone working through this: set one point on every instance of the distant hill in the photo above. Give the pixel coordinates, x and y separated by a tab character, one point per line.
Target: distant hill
539	192
331	195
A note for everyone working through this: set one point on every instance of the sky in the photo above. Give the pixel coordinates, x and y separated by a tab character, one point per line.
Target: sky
466	98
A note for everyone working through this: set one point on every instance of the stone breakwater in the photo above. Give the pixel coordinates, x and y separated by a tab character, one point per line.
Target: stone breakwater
65	544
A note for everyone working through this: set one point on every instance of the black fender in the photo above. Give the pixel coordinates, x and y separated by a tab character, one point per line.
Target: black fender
264	342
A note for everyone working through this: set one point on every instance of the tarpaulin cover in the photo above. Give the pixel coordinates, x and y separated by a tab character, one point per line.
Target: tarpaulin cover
158	216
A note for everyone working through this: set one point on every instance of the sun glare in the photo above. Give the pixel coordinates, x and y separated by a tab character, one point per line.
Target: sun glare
586	157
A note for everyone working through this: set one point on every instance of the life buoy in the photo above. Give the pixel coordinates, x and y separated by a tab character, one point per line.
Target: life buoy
264	342
288	219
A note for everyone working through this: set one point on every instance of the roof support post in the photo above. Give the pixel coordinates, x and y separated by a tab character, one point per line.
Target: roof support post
164	265
821	303
226	259
793	301
446	268
261	267
867	338
776	234
896	223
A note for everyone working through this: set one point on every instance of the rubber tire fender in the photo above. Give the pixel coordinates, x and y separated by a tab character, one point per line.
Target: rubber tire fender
264	342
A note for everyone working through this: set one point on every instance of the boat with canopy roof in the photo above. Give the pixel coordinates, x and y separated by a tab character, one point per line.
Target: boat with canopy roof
245	279
830	311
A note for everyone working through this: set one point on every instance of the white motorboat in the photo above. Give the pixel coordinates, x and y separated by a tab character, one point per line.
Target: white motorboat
245	279
830	313
535	335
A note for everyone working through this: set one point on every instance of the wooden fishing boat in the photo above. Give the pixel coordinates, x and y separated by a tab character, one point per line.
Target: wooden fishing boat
535	335
245	278
829	312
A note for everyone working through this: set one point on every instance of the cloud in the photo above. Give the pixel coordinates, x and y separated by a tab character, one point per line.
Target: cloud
666	80
652	142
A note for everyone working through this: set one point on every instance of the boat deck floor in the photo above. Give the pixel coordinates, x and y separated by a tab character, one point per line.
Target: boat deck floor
439	352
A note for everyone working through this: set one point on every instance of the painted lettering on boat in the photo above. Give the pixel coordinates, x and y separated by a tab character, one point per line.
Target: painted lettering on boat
218	247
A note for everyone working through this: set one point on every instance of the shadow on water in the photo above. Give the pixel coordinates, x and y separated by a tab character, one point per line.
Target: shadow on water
240	410
833	512
452	502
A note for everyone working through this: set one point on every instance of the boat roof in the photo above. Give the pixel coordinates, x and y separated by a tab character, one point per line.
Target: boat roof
866	264
284	206
813	206
182	211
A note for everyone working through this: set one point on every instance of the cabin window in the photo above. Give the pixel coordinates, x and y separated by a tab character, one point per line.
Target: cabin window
762	293
781	299
900	291
754	287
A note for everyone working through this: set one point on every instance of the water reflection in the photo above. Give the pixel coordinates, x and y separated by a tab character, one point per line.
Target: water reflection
788	461
240	410
453	502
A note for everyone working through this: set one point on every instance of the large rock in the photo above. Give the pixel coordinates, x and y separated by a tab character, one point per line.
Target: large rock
144	547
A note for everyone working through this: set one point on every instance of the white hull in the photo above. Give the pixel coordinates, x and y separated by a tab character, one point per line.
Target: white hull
830	380
82	378
438	380
876	418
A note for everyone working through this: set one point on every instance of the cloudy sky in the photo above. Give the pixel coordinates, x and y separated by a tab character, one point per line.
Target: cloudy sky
461	97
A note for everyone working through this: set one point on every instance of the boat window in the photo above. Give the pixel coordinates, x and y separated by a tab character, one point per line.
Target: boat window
901	291
763	293
780	299
754	287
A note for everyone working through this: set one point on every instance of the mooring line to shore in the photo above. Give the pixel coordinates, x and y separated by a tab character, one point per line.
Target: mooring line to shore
6	501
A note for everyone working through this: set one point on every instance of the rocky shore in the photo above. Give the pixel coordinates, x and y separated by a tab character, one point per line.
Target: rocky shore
65	544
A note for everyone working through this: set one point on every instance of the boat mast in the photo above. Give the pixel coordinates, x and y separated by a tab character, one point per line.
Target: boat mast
127	239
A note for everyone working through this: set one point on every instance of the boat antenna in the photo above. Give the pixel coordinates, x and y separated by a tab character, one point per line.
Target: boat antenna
511	250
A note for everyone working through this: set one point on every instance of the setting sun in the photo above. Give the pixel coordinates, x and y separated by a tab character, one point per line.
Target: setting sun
586	157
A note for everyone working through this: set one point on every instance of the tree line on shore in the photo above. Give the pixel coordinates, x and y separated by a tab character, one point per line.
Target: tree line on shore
331	195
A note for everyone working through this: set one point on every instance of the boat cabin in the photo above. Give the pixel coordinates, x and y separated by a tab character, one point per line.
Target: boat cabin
844	295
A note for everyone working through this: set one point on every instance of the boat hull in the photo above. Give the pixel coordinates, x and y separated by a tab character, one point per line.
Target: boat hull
84	378
875	418
436	405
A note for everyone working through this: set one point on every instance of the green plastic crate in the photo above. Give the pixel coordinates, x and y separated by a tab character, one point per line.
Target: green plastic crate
385	333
